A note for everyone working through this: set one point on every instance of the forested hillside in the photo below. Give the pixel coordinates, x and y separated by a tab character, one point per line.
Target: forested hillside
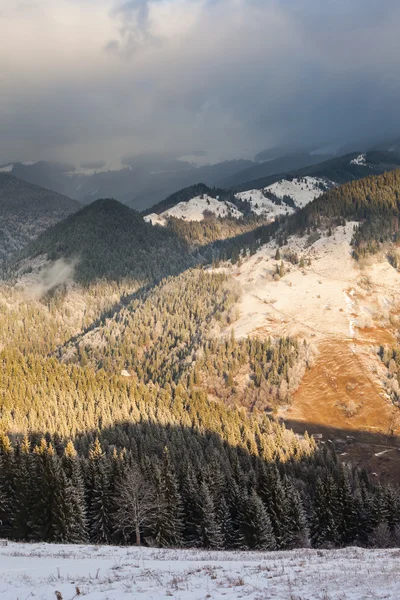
26	210
190	192
341	170
129	412
109	240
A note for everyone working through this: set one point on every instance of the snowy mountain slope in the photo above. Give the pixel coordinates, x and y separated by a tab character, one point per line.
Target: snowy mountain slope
280	198
193	210
261	205
114	573
301	191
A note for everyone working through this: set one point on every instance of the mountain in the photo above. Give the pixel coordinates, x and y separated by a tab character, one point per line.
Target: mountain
195	202
178	392
106	239
26	210
338	170
138	182
267	168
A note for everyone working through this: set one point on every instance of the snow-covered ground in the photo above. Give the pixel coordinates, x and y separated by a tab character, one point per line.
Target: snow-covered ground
359	160
37	571
261	205
301	190
315	300
193	210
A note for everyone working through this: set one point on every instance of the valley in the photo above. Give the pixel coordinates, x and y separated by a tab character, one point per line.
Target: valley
237	373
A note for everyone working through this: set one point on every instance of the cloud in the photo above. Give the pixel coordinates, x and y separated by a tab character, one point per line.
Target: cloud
87	79
51	276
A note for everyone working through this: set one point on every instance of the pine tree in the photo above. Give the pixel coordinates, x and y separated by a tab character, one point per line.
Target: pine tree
167	525
325	521
256	525
225	524
100	525
7	485
208	529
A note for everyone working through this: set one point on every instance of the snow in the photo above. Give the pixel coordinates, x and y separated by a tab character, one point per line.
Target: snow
193	210
264	206
29	571
155	219
6	169
359	160
322	301
302	191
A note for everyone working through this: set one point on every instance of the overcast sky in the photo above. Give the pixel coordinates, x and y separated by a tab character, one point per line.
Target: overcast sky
98	79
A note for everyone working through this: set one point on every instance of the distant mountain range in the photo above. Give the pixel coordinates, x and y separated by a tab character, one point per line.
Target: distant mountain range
340	170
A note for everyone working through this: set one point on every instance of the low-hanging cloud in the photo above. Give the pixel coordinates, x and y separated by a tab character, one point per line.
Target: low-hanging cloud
50	277
87	80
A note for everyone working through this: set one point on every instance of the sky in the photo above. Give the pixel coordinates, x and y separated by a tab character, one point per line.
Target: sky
87	80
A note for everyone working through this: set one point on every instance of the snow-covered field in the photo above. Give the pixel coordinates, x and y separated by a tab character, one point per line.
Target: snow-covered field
37	571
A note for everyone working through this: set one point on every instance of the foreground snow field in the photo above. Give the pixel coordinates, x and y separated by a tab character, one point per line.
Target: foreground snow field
37	571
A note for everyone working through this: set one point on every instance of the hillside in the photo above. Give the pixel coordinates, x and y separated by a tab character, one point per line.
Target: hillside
26	210
267	168
139	181
107	240
193	389
338	170
198	202
329	275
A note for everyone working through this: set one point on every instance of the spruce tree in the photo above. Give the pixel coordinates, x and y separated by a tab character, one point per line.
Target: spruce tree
256	525
167	526
100	525
209	531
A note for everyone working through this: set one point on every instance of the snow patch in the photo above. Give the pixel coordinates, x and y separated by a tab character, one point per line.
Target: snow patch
194	209
261	205
359	160
300	190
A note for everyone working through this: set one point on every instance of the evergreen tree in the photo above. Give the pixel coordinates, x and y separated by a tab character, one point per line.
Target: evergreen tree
256	525
167	526
324	526
209	531
100	525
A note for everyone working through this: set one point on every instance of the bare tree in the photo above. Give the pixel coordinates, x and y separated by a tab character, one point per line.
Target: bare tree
137	505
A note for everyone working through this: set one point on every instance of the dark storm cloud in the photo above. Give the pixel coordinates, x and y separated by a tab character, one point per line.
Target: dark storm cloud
112	78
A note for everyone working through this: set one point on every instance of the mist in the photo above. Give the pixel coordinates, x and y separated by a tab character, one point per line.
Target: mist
50	277
88	81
